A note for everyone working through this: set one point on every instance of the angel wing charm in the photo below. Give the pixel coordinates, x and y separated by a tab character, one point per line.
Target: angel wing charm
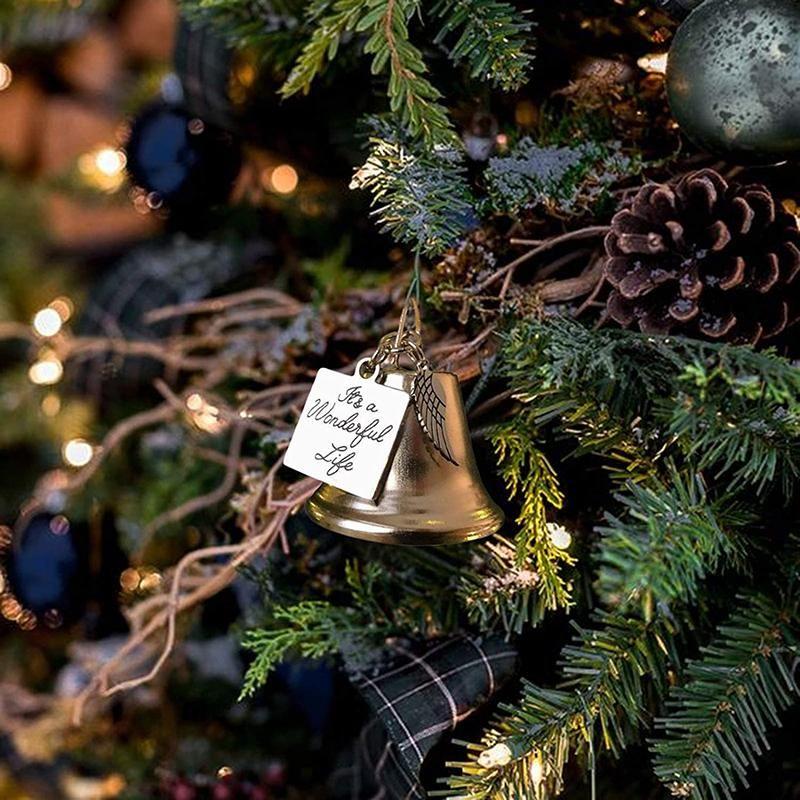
431	410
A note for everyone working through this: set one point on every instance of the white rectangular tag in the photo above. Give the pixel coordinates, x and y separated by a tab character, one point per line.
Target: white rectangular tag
347	432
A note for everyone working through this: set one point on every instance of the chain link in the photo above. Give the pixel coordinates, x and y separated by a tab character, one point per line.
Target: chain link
405	341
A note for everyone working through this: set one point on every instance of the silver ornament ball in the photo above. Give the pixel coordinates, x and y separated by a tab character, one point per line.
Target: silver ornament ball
733	78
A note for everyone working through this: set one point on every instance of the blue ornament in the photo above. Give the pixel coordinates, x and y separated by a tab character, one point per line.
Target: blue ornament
182	160
43	566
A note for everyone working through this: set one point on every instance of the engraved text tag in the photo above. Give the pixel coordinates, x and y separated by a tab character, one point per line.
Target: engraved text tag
347	432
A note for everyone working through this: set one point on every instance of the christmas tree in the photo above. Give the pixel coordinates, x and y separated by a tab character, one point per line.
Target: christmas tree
586	213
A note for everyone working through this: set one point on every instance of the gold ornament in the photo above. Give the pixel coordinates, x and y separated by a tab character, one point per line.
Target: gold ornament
429	490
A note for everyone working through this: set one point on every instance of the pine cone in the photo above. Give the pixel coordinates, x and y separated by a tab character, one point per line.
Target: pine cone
704	259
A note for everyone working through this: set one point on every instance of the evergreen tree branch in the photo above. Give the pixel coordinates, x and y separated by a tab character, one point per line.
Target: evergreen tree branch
718	720
530	477
668	540
729	410
273	28
608	672
412	97
419	195
494	39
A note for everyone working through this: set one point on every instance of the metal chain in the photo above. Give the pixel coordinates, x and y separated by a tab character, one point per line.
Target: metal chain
404	341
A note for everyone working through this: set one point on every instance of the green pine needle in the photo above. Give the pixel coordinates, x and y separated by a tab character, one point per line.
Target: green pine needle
718	720
668	540
494	39
419	195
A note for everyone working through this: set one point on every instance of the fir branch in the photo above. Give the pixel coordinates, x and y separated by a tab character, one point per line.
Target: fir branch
412	97
332	22
730	410
529	476
274	29
669	538
421	196
311	629
497	589
607	673
493	40
739	412
718	720
569	178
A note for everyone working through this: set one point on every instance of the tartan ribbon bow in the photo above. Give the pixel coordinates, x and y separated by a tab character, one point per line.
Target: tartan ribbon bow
418	695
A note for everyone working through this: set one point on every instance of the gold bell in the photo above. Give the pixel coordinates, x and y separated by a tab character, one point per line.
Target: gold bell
427	499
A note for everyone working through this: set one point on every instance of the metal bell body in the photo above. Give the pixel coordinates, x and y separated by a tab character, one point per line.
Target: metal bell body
426	500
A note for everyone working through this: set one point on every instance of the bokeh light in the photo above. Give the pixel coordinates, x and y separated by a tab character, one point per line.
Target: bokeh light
47	322
6	76
284	179
77	452
46	371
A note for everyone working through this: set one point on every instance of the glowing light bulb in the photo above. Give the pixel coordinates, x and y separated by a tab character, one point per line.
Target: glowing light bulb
110	162
655	63
46	371
63	307
496	756
559	536
284	179
6	76
537	770
103	168
47	322
77	452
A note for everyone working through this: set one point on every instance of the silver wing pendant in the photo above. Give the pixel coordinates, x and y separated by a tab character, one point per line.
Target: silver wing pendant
431	410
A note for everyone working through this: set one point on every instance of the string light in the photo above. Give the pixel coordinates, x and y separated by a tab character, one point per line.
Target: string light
6	76
284	179
129	579
47	370
77	452
47	322
63	307
654	62
497	756
537	770
559	536
109	161
103	168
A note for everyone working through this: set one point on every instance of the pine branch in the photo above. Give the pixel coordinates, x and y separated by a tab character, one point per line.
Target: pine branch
272	28
496	588
310	629
412	97
668	540
332	21
719	718
493	40
738	411
421	196
570	178
729	410
529	477
607	672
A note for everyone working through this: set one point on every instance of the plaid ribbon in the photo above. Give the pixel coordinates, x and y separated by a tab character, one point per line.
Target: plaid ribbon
421	694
